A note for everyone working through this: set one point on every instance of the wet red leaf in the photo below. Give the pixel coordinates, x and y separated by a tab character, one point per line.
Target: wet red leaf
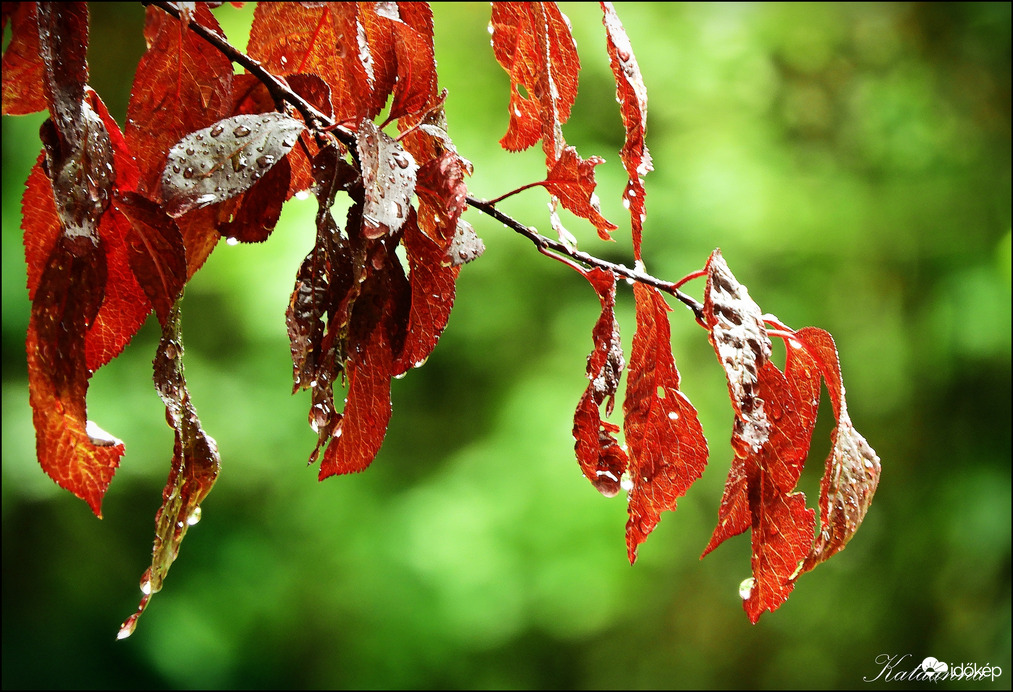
182	85
388	176
572	181
632	96
852	468
775	415
322	39
533	43
400	39
192	472
22	63
600	457
665	441
432	281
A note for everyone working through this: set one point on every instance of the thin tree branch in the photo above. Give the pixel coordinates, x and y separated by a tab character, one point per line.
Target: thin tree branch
546	244
317	121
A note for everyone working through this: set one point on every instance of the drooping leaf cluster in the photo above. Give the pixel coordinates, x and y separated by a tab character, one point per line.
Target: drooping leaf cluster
116	222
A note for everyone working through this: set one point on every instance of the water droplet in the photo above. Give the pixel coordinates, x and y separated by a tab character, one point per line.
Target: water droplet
401	161
189	151
746	588
217	130
188	172
232	241
318	417
199	137
288	142
284	60
624	54
175	168
672	415
146	585
265	161
194	516
241	131
170	351
625	482
401	376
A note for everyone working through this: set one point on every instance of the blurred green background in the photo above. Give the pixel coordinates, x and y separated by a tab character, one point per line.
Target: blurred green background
853	163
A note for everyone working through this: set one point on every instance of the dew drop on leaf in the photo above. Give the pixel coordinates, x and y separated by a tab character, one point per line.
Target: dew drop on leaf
232	241
746	588
217	130
188	172
241	131
194	517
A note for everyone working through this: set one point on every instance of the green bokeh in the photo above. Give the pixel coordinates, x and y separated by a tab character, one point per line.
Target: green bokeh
853	163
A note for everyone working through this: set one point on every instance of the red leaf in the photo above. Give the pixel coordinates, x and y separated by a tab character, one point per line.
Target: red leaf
667	448
442	194
852	468
182	84
600	457
219	162
75	453
155	251
322	39
572	181
403	56
432	283
362	426
632	96
775	415
533	43
22	63
194	469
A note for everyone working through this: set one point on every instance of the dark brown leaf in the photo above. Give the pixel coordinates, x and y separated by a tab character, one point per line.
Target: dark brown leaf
194	469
